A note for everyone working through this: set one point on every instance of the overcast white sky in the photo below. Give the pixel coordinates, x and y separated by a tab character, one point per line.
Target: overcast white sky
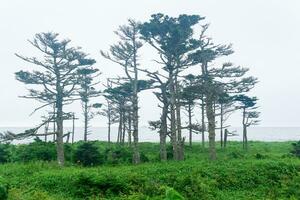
265	37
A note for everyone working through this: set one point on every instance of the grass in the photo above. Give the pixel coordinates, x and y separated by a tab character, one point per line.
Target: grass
265	171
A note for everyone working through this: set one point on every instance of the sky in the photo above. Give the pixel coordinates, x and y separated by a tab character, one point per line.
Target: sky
264	34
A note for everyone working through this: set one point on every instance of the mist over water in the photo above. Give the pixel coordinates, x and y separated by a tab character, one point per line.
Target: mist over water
147	135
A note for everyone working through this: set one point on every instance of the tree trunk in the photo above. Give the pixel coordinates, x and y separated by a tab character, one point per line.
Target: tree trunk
163	133
120	126
136	152
225	138
173	118
203	121
85	121
211	126
73	127
245	138
129	128
60	141
190	124
180	143
221	126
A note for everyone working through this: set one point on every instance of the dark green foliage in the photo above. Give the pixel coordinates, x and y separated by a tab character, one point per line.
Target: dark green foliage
3	189
4	153
296	149
260	156
87	154
121	154
195	178
35	151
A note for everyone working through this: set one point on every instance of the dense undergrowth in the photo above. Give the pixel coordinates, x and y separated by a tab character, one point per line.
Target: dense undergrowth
265	171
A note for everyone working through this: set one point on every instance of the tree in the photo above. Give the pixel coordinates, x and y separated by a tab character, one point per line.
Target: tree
108	111
250	115
86	92
125	53
172	39
217	80
188	100
57	81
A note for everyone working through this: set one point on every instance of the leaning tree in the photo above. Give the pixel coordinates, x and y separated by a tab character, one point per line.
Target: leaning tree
217	80
172	38
250	115
57	80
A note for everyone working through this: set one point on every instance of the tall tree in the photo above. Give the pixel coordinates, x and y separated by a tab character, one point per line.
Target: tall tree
57	81
125	53
217	80
173	39
86	92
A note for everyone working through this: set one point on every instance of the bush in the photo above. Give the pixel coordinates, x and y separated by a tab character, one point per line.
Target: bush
35	151
87	154
296	149
121	154
4	153
3	189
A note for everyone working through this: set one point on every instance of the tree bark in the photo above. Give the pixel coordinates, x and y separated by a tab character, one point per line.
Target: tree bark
173	118
190	124
211	126
136	152
85	121
163	133
221	126
60	142
203	121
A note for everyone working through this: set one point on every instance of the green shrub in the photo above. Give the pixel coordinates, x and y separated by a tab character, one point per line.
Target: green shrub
121	155
35	151
236	155
3	189
296	149
260	156
87	154
4	153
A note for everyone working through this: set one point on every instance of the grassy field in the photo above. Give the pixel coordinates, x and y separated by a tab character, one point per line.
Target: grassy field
265	171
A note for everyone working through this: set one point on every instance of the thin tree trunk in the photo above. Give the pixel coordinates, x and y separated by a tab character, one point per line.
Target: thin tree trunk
221	126
190	124
180	142
120	127
73	127
129	128
109	127
136	153
85	121
203	121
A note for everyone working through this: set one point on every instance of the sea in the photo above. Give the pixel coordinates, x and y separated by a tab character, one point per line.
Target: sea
147	135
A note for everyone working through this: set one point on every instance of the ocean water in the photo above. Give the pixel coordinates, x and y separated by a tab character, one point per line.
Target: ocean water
147	135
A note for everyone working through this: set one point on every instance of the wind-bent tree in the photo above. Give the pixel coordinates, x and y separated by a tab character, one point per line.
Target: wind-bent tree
173	40
57	81
250	115
125	53
217	80
86	92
